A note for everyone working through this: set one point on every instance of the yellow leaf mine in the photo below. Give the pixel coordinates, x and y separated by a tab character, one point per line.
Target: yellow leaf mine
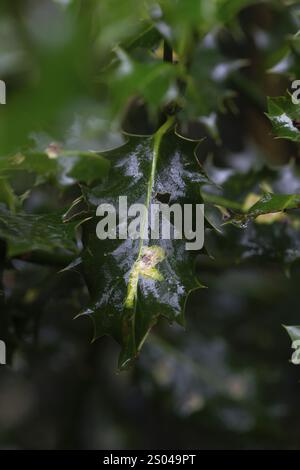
145	266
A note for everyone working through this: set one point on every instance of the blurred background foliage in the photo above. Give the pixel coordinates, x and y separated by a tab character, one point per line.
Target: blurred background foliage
76	73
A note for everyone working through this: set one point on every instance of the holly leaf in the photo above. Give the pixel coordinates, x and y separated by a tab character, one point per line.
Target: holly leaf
285	117
269	221
27	233
254	194
274	242
293	331
294	334
133	282
153	80
269	203
36	162
207	80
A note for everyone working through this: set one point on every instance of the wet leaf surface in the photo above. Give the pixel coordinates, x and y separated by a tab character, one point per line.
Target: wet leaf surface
285	117
134	282
26	233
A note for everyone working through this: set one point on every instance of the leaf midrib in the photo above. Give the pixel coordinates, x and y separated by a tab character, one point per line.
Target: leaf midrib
133	283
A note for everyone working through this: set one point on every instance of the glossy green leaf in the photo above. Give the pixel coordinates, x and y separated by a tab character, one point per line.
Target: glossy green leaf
232	187
245	194
270	203
134	282
294	333
260	226
26	233
285	117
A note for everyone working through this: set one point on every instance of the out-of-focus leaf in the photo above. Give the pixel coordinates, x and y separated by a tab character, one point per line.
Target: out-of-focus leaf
56	44
118	22
262	229
25	233
65	166
38	163
285	117
179	20
232	187
227	9
249	195
207	80
200	365
133	282
221	201
86	167
7	195
268	204
13	57
276	242
154	81
147	38
274	203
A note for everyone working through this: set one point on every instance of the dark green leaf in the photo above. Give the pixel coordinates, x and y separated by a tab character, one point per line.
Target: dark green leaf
285	117
294	333
207	80
26	233
134	282
153	80
270	203
7	195
65	166
274	242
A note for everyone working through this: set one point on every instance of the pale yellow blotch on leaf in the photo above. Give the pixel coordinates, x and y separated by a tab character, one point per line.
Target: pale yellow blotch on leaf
144	266
252	199
270	218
